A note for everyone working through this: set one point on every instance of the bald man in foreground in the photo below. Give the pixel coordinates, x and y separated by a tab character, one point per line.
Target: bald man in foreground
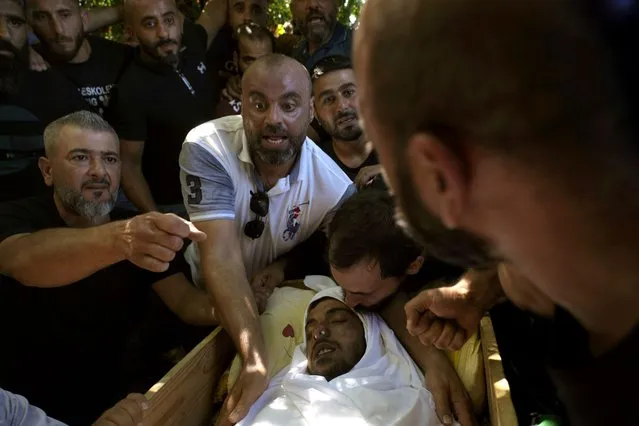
257	186
514	141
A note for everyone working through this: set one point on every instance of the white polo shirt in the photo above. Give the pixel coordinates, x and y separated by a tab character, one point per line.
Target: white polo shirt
218	175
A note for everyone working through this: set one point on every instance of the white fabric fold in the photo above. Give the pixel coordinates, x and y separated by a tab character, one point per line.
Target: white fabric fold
385	388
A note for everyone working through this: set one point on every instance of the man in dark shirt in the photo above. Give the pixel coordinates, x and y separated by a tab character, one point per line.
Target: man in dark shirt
75	275
91	64
28	101
507	131
164	94
336	109
253	42
322	34
219	57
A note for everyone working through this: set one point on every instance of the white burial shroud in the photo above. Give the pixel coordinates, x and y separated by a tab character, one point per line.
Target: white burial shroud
385	388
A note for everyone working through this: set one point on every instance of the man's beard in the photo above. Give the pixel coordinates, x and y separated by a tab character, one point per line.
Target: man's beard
453	246
272	156
349	133
75	202
170	59
11	67
318	36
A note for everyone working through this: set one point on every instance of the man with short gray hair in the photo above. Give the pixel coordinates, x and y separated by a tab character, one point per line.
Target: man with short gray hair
74	274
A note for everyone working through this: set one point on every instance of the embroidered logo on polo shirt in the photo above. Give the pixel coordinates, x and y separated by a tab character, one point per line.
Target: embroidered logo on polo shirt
201	68
293	222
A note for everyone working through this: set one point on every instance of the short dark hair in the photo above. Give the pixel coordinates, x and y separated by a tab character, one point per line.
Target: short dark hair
253	31
330	64
529	79
364	228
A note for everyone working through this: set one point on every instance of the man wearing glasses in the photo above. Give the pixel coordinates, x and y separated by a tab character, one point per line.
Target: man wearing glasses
257	187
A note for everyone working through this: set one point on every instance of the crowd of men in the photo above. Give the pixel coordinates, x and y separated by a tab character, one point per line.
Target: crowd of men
197	162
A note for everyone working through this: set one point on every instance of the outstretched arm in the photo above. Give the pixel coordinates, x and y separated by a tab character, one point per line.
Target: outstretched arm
213	18
100	17
62	256
225	277
192	305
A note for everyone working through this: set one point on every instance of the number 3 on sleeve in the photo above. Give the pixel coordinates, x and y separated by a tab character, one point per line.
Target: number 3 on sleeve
195	189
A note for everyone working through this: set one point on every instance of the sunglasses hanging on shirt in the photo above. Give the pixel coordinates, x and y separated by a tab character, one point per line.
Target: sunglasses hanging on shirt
259	205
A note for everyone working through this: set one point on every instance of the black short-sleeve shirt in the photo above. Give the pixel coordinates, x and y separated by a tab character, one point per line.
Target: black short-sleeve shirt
40	98
61	346
95	78
351	172
219	59
595	390
159	105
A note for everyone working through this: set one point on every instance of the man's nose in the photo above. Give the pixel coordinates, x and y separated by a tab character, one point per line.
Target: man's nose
96	168
344	104
321	332
162	31
351	300
273	115
57	27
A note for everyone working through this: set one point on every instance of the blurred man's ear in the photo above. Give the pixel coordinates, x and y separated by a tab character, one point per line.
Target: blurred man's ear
45	168
85	20
415	266
236	60
312	109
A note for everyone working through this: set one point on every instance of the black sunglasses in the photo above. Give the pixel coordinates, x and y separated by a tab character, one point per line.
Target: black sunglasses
259	205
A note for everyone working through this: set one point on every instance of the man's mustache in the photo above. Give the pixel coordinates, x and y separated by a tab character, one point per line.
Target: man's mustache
272	130
313	14
91	182
63	39
346	114
166	42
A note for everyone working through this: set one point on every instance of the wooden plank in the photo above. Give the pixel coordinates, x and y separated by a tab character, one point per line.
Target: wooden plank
500	404
184	396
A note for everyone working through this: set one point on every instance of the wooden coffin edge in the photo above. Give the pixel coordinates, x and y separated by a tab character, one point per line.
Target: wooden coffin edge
184	396
500	404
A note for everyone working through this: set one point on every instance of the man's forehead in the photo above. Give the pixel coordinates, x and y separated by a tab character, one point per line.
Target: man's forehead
260	2
149	7
274	85
245	43
12	8
322	306
52	4
335	80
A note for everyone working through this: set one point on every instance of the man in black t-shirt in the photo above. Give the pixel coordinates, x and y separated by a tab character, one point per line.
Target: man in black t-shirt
336	109
253	42
219	58
75	274
164	94
92	65
28	101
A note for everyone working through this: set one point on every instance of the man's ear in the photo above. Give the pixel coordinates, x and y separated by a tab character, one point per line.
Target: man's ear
438	177
236	60
85	19
45	168
312	109
415	266
128	31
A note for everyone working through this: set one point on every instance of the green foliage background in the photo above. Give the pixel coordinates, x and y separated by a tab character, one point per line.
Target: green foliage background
279	11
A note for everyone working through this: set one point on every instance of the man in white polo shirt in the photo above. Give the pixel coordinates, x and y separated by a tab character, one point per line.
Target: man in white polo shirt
257	187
